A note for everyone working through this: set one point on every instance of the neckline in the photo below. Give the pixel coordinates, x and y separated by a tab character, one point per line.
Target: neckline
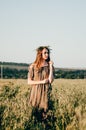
44	66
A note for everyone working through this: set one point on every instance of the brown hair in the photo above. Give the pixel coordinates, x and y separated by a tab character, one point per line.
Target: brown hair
39	58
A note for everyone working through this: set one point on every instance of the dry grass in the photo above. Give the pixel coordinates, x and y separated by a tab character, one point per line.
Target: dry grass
69	98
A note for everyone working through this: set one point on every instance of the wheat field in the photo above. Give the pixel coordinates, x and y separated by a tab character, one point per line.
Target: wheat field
67	106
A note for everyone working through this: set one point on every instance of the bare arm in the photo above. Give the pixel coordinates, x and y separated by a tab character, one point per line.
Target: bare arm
31	80
51	76
37	82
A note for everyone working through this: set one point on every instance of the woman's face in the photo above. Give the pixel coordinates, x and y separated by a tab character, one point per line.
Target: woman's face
45	54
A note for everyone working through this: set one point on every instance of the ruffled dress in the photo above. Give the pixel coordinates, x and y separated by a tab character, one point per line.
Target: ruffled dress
40	93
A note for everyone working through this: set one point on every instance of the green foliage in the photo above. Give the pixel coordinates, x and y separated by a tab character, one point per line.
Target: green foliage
2	109
13	63
20	70
9	93
75	74
14	73
67	107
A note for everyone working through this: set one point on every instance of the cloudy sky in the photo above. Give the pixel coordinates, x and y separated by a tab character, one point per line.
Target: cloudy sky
28	24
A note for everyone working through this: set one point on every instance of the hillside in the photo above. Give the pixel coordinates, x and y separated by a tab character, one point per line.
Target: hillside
20	70
14	65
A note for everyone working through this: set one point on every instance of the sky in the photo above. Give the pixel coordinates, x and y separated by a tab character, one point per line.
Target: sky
27	24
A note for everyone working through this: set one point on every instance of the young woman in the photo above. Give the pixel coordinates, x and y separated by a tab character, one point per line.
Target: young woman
40	77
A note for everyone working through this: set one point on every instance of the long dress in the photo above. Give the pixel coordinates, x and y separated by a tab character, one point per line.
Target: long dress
39	94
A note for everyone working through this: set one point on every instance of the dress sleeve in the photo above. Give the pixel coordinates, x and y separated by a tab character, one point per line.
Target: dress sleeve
31	72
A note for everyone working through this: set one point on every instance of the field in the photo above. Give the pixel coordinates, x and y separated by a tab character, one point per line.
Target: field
67	109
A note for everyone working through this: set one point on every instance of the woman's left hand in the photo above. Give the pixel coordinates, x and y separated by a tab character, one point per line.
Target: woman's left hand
51	63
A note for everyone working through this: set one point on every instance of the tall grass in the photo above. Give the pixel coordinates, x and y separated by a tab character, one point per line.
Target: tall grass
67	106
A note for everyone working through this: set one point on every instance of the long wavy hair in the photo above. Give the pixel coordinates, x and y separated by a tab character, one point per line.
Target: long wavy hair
39	58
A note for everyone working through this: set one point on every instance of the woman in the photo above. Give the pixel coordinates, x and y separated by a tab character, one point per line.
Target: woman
40	77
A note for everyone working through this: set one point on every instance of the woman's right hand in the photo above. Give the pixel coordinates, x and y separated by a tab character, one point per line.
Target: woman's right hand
45	81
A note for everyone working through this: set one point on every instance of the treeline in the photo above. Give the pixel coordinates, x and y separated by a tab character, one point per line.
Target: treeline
23	73
20	70
13	63
70	74
13	70
14	73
